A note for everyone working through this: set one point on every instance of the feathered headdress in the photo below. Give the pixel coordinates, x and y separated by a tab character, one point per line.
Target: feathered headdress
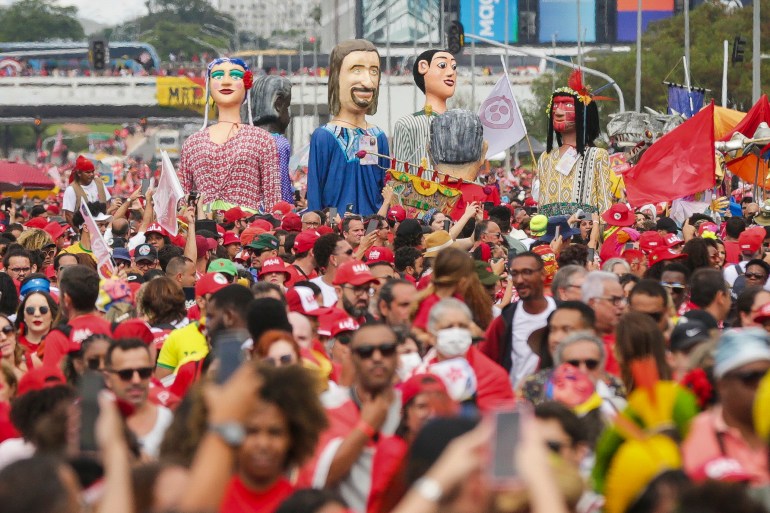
576	87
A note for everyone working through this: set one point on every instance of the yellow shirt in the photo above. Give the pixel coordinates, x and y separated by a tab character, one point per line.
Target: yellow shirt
77	249
182	345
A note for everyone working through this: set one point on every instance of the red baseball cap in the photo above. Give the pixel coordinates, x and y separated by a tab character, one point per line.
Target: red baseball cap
274	265
291	222
283	207
230	238
336	323
134	328
750	240
156	228
354	272
37	222
619	214
202	244
661	254
304	241
210	283
263	224
763	314
673	240
397	213
234	214
301	300
55	230
40	378
53	209
420	383
323	230
650	241
379	255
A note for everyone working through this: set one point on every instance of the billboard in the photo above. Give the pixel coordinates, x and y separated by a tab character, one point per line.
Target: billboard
486	18
408	21
652	10
558	21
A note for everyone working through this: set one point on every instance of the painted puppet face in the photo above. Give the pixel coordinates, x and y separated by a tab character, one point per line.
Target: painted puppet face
359	81
226	83
440	75
563	112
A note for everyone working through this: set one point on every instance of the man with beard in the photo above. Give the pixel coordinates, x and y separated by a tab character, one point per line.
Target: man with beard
354	287
346	456
128	370
337	175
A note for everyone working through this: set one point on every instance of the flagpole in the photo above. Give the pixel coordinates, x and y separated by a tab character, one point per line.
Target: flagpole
531	151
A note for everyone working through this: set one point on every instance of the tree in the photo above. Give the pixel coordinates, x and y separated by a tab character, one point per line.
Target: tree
662	51
39	20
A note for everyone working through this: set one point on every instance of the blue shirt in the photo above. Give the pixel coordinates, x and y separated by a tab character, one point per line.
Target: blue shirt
284	154
336	177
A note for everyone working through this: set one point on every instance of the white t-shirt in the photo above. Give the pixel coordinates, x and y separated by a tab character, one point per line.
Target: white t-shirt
151	441
524	361
731	274
329	294
92	193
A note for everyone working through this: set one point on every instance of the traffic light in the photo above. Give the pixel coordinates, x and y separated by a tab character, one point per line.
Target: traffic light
455	38
98	53
738	49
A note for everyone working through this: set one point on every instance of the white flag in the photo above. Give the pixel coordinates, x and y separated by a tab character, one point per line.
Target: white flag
501	118
167	196
99	247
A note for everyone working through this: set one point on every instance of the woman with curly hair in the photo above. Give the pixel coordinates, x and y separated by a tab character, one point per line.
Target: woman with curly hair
454	276
162	303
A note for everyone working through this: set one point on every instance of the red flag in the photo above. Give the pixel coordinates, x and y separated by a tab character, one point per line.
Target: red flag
679	164
749	167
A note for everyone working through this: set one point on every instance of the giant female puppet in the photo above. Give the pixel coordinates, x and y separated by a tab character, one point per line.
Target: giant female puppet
435	74
575	174
336	177
231	163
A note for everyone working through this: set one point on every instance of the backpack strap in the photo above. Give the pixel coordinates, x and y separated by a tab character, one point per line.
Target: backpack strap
739	269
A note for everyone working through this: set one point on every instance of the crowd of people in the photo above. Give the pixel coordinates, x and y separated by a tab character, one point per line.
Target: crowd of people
307	361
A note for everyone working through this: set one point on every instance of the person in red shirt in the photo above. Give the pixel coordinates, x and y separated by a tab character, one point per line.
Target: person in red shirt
280	433
79	289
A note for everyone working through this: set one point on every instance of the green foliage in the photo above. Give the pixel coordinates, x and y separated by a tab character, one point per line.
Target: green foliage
168	37
39	20
662	51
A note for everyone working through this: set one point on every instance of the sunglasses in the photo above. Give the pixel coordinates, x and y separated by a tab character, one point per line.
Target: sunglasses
749	378
675	287
30	310
96	362
7	329
282	360
590	363
755	276
128	374
366	352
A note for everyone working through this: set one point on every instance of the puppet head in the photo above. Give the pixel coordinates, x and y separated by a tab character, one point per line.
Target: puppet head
354	76
235	76
582	110
457	145
270	101
436	71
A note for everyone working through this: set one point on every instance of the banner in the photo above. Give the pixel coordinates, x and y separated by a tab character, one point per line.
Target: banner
183	93
101	251
557	21
167	195
652	10
486	18
501	118
679	100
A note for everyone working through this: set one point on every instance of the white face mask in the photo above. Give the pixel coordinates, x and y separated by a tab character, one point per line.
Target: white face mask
407	363
452	342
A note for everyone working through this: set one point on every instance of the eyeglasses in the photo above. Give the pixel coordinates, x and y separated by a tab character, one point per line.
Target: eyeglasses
20	270
97	362
755	276
30	310
312	224
675	287
7	330
128	374
590	363
278	362
749	379
525	273
366	352
360	290
615	300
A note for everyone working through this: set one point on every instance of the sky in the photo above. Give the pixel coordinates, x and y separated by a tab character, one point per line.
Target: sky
107	12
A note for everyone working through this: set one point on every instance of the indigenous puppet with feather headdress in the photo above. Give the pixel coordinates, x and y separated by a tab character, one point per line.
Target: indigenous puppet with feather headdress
574	174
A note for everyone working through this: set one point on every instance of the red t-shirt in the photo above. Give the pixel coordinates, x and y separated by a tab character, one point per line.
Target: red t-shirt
473	192
57	344
611	365
732	252
241	499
